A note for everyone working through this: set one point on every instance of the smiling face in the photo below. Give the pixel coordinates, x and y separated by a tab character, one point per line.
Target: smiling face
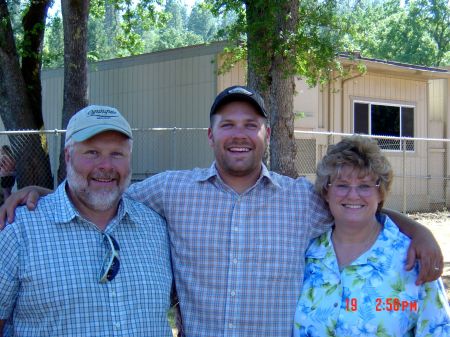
98	171
239	137
353	209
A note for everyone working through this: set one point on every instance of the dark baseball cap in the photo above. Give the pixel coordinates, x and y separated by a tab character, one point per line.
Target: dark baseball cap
239	93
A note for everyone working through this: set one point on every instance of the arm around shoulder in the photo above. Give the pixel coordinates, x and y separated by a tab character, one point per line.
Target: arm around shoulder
423	247
28	196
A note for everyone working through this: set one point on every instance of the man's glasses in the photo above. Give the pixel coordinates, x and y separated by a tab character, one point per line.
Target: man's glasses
111	264
364	190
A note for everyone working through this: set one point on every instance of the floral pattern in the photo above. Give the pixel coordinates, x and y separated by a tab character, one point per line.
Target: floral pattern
373	296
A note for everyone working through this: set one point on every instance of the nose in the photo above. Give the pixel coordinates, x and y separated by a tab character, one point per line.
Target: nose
239	132
105	163
353	191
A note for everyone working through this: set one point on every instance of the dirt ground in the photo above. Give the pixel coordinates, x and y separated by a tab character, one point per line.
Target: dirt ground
439	224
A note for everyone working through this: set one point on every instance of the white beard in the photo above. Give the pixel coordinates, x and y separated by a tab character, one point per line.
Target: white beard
98	200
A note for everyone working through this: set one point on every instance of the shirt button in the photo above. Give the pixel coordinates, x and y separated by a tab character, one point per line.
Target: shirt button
113	293
235	261
233	293
117	326
335	305
230	325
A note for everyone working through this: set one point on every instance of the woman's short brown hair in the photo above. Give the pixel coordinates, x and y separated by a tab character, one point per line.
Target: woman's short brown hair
359	152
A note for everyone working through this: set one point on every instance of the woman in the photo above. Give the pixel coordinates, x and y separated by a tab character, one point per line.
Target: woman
355	282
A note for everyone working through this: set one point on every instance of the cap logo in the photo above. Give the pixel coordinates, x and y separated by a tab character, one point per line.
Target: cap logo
240	90
102	114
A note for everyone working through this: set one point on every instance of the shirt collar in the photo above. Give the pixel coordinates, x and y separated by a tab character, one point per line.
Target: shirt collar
211	172
66	211
322	247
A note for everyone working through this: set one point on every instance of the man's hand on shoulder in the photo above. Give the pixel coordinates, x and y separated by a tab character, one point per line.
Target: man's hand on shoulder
28	196
426	250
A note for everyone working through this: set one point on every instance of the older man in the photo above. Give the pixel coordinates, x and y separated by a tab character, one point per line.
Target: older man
88	261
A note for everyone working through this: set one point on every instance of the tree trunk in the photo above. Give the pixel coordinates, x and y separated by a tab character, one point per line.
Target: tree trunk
283	152
269	72
16	108
32	59
75	20
259	44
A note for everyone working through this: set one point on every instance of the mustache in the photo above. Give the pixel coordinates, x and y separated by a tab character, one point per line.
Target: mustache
105	175
239	144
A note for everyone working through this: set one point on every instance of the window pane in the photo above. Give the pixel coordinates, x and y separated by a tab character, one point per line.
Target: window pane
407	122
361	118
386	122
408	126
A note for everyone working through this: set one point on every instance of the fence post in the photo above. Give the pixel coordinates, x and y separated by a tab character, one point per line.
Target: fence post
174	148
403	142
56	144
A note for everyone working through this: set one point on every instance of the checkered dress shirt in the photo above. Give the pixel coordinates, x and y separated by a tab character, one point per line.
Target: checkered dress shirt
238	259
50	265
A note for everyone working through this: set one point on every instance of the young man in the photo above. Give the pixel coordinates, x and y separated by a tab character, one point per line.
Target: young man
87	261
238	232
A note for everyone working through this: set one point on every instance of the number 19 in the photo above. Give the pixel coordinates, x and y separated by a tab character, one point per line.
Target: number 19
351	304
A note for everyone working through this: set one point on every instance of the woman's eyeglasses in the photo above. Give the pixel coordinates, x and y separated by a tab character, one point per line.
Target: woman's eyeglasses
111	264
364	190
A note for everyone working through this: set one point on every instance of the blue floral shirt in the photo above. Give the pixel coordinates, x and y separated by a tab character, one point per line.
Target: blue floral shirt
373	296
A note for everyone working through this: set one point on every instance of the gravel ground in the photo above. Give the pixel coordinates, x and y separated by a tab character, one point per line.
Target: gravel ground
439	224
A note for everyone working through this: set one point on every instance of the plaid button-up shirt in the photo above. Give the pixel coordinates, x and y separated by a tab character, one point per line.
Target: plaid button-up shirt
50	266
238	259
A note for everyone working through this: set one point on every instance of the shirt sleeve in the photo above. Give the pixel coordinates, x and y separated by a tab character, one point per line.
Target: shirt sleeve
321	219
150	192
9	270
433	311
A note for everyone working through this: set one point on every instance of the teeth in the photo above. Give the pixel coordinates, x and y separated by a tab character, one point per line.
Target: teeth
103	180
353	206
239	149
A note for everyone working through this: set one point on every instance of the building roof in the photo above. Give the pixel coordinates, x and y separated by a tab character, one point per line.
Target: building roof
432	71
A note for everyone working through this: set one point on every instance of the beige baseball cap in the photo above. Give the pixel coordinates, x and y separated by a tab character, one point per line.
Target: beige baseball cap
95	119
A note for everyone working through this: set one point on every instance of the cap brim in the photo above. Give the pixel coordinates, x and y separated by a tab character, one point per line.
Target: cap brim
91	131
237	98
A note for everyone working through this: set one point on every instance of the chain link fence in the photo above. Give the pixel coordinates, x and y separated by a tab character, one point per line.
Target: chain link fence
420	165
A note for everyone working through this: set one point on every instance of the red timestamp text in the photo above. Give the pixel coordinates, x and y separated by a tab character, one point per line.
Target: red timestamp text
394	304
384	304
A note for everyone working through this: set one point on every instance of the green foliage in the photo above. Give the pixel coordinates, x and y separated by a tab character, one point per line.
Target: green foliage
53	52
177	14
135	20
120	28
418	33
318	40
171	38
202	23
309	52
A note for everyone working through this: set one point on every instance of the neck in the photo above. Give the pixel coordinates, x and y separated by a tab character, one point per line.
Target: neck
99	218
354	235
240	183
350	248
